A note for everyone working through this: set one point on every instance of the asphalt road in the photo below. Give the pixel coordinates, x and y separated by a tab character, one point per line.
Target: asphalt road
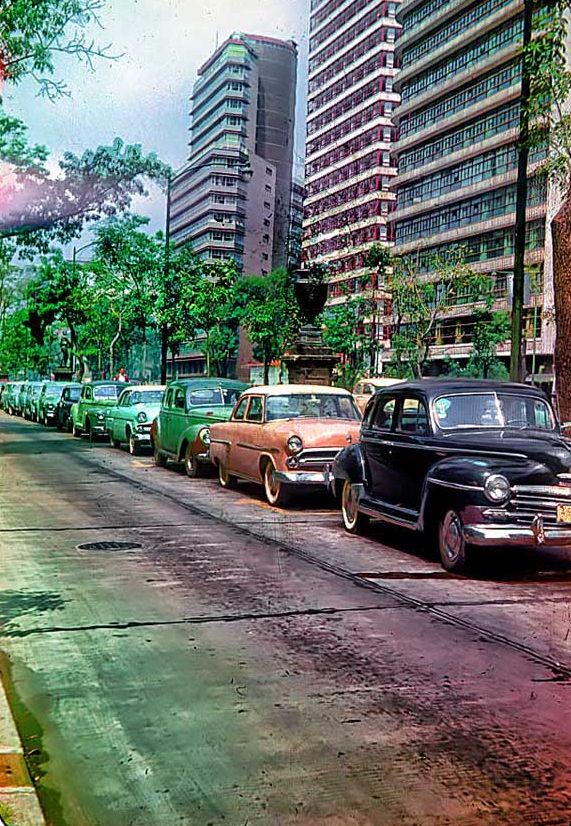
247	665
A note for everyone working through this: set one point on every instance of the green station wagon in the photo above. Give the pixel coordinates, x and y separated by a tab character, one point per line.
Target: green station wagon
131	419
181	431
89	414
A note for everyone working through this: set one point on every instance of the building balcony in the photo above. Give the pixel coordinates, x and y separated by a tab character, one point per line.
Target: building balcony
506	9
483	67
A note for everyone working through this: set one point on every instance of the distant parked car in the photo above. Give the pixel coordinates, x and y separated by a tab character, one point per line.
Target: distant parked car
131	418
50	394
365	388
10	397
69	395
89	412
30	403
469	463
181	431
284	437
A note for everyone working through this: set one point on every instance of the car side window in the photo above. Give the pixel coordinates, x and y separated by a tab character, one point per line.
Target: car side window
382	416
241	409
256	409
359	388
65	395
88	393
124	400
167	400
178	402
413	417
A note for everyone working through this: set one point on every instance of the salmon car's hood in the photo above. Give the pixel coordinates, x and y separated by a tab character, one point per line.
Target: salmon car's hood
316	432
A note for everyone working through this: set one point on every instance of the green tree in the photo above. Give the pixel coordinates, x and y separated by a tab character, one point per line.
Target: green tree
267	310
32	34
210	297
421	302
345	330
550	131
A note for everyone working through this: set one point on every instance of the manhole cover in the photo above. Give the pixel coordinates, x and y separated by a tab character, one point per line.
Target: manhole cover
109	546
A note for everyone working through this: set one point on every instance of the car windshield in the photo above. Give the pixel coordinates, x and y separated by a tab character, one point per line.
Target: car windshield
53	389
311	405
146	397
106	391
207	396
463	411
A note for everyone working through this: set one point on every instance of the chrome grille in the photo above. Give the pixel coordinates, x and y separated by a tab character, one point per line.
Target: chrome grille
316	458
528	501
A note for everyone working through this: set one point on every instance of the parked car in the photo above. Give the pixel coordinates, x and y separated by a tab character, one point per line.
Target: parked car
365	388
89	412
10	396
131	418
181	431
21	399
49	396
469	463
69	395
30	403
284	436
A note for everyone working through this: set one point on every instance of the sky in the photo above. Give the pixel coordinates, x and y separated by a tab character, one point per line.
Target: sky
143	96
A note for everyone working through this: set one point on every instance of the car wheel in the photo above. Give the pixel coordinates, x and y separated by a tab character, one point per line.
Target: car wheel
191	464
133	444
454	552
276	492
226	479
353	520
160	458
75	430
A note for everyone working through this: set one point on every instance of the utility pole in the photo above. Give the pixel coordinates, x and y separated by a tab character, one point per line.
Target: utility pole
517	357
164	328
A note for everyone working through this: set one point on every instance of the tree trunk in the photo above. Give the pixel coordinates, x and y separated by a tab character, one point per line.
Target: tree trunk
561	233
266	370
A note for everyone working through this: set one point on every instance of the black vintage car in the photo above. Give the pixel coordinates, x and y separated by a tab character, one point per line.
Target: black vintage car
69	395
470	463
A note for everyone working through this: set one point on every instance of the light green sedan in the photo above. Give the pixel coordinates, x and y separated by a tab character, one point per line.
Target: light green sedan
131	418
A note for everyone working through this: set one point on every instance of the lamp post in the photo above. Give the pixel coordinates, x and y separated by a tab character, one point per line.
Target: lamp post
246	173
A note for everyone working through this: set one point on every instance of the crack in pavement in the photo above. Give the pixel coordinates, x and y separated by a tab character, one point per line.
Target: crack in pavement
207	619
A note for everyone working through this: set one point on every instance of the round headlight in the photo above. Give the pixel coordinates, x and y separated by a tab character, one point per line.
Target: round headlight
294	444
204	436
142	416
497	488
100	415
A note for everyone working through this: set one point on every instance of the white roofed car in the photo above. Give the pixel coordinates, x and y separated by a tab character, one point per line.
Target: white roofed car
283	436
365	388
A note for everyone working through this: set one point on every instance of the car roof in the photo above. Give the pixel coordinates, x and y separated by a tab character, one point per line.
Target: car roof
434	387
210	382
293	389
102	382
380	382
146	386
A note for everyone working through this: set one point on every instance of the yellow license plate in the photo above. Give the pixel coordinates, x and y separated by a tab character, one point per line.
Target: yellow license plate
564	513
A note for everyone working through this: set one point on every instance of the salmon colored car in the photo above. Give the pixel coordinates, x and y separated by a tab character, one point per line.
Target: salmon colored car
283	437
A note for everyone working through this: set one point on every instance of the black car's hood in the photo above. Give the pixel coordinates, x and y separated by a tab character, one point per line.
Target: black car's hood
548	448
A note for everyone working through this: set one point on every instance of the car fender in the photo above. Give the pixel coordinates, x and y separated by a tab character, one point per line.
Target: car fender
189	434
350	464
458	481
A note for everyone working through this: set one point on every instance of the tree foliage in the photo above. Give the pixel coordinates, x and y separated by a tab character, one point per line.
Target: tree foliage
33	33
421	302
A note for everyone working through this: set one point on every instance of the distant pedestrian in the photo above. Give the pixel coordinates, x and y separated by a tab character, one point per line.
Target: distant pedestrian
121	375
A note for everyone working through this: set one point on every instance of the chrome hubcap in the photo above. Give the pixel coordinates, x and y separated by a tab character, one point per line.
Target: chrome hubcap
452	536
272	484
349	504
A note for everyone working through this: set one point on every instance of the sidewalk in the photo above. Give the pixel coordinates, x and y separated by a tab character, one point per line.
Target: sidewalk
19	804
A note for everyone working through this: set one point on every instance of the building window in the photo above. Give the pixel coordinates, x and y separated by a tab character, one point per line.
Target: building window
269	170
268	188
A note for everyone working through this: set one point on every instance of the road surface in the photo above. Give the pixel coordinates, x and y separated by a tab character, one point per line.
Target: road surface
241	664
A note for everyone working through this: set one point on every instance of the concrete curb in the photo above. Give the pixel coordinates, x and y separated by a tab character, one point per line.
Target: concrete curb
19	804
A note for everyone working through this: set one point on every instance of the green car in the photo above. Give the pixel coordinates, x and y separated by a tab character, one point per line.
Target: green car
89	414
10	397
131	419
30	404
50	394
181	431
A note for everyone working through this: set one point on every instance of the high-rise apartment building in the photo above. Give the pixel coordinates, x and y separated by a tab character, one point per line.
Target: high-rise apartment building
349	134
232	198
458	126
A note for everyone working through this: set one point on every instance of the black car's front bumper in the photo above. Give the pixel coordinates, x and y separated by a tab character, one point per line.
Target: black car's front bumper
536	535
